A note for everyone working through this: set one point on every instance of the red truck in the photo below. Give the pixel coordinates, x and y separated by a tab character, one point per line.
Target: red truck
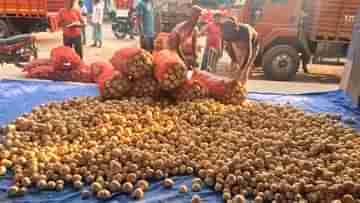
25	16
295	31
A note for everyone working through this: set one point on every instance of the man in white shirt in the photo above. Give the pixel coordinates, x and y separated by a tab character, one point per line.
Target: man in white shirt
97	21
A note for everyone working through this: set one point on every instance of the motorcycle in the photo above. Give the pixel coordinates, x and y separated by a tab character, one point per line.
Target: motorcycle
122	25
18	50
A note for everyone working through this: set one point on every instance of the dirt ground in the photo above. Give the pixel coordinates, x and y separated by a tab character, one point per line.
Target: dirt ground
322	77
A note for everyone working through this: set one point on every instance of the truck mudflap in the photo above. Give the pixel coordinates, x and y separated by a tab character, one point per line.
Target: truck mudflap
53	22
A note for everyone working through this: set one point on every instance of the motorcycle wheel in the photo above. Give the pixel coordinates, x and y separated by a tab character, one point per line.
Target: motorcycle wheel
30	54
120	30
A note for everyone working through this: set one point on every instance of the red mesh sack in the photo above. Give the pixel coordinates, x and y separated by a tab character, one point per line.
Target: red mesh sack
35	63
226	90
113	85
81	74
134	63
145	87
170	71
161	41
191	90
45	71
65	58
100	69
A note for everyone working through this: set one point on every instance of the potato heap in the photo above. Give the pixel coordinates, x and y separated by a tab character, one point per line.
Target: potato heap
265	151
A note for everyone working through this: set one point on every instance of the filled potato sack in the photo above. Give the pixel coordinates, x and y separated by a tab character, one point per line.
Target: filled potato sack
191	90
161	41
226	90
81	74
43	71
65	58
35	63
145	87
134	63
113	85
170	71
100	68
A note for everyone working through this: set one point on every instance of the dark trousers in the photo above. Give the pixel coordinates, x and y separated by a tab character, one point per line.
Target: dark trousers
76	43
147	43
83	34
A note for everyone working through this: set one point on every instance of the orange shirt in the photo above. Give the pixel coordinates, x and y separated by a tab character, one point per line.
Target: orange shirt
70	16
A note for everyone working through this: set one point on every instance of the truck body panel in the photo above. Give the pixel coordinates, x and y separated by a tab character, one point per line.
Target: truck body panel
29	8
330	19
33	15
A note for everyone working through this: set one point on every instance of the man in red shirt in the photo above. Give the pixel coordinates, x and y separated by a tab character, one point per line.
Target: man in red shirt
213	41
71	21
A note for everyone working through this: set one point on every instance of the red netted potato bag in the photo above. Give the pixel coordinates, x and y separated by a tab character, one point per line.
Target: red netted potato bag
191	90
36	62
45	71
161	41
99	69
134	63
226	90
170	71
81	74
114	85
65	58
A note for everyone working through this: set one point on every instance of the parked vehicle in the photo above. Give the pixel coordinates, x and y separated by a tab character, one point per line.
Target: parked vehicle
33	16
18	50
305	29
121	26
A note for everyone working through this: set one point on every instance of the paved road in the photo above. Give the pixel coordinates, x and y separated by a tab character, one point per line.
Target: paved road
325	79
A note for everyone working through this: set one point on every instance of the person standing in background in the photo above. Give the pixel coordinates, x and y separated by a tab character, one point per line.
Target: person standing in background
97	21
146	17
132	4
213	41
71	22
84	15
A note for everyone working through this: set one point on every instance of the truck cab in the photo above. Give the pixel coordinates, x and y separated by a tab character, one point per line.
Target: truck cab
277	22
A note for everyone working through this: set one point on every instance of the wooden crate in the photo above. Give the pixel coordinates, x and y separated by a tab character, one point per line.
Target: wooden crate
331	19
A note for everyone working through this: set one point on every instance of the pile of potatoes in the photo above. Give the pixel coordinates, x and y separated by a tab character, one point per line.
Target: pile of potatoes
267	152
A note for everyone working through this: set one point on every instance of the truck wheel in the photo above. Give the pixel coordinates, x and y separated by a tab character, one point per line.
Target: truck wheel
4	29
281	63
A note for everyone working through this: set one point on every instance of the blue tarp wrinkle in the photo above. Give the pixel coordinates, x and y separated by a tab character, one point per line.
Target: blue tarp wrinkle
19	97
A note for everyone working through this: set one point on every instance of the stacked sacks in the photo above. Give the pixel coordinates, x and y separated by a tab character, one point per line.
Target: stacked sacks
63	65
135	63
132	75
39	68
146	87
112	83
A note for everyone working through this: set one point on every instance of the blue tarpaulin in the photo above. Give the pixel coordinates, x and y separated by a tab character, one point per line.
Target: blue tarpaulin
18	97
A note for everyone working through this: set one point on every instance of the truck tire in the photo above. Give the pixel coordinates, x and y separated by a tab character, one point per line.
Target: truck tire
281	63
4	29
